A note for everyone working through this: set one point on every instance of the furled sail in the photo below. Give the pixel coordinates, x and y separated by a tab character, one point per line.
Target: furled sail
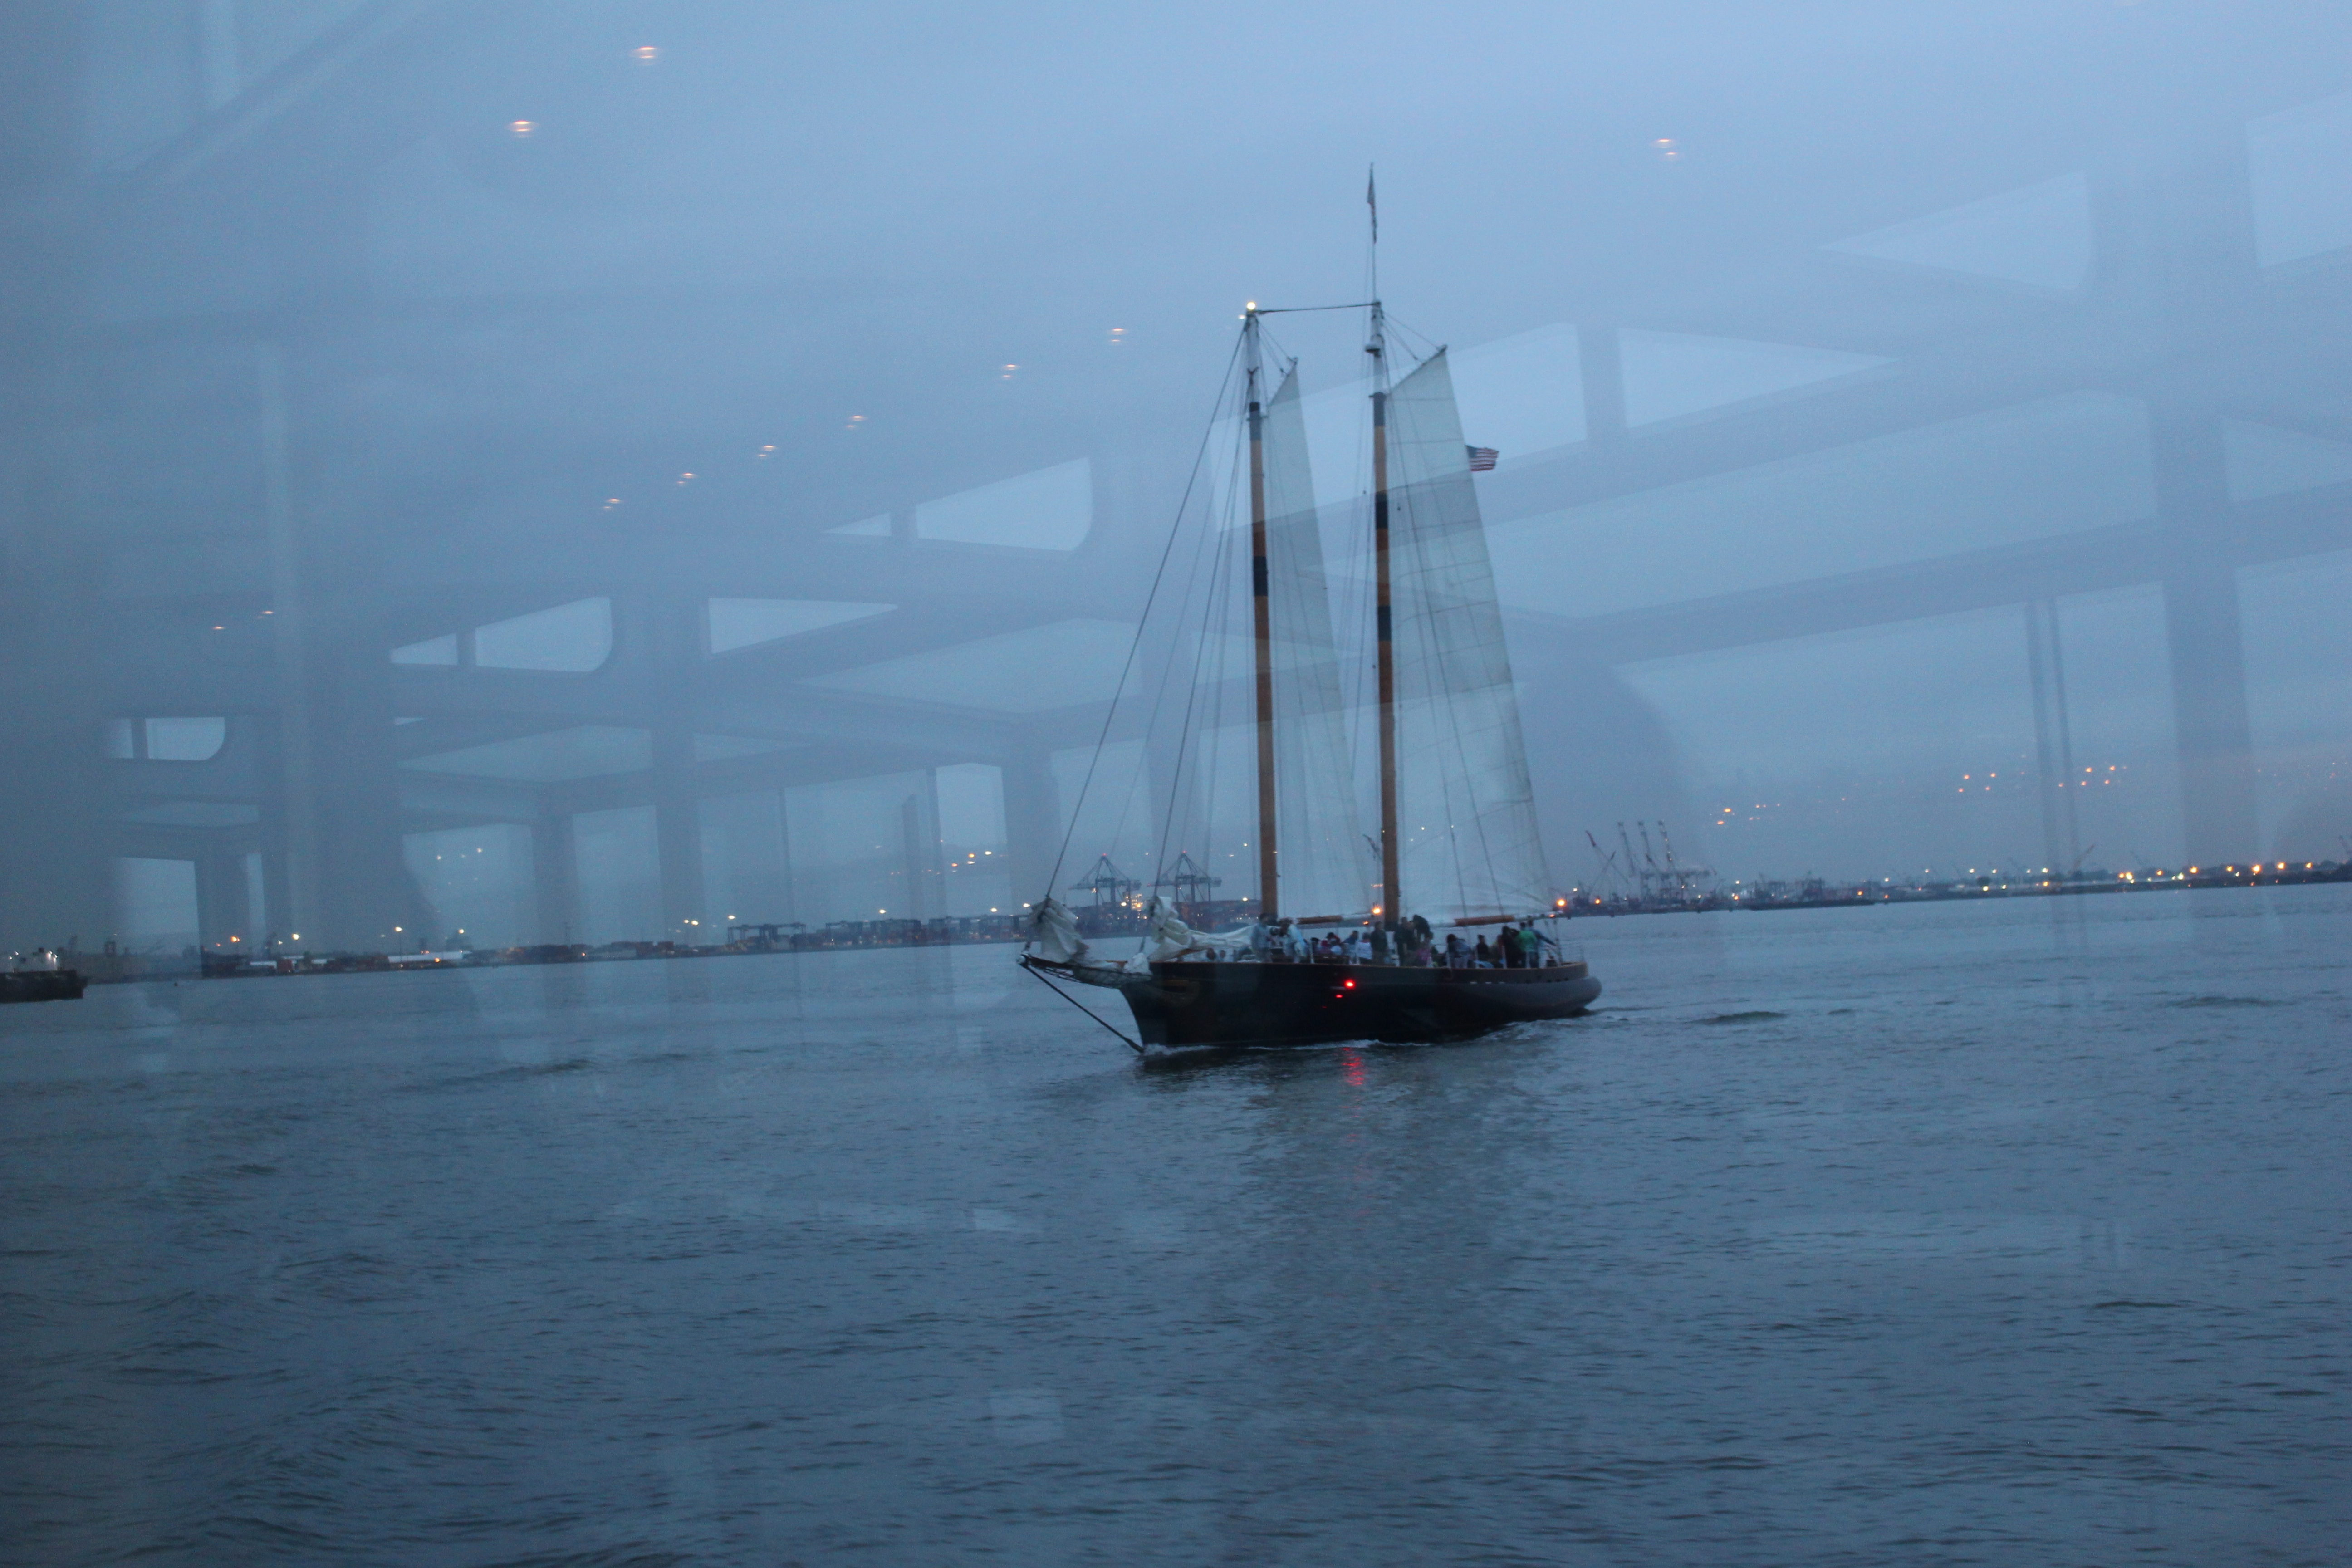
1465	817
1318	841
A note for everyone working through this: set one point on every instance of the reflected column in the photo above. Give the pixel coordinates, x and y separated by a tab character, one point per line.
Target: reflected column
555	874
2210	722
2179	237
1032	828
675	640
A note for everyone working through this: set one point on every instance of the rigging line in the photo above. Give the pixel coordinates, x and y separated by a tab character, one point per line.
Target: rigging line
1457	789
1217	611
1300	309
1217	535
1082	1007
1200	802
1460	752
1174	529
1211	547
1409	331
1159	700
1184	727
1428	654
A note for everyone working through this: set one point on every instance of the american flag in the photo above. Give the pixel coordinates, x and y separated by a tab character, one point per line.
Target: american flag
1482	458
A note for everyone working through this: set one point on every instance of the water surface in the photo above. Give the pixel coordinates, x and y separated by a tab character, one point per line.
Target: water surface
1942	1234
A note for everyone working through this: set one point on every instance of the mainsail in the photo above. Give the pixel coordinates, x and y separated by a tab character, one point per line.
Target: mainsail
1466	811
1321	850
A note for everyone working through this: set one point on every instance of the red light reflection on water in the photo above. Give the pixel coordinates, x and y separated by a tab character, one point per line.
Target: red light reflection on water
1351	1065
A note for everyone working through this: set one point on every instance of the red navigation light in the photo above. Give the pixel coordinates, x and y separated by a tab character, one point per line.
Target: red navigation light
1348	985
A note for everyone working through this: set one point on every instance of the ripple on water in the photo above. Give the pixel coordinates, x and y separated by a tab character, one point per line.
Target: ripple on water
889	1257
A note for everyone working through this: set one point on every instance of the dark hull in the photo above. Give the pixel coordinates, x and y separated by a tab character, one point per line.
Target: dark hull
1185	1006
41	985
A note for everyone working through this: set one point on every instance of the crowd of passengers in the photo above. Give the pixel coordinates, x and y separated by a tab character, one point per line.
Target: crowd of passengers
1411	944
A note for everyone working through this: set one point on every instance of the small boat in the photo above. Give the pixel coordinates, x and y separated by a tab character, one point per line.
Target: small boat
1456	843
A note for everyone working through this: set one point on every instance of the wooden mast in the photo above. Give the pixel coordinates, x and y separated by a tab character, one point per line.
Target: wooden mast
1261	615
1391	894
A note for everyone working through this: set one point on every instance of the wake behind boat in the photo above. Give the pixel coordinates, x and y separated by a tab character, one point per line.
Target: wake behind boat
1456	848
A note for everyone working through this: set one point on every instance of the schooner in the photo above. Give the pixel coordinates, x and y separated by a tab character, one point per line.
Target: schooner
1455	845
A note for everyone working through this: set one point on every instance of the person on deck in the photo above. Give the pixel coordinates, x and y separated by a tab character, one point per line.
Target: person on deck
1381	944
1455	956
1486	954
1507	942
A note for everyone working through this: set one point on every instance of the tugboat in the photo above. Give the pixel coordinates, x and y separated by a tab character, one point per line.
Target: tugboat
1457	845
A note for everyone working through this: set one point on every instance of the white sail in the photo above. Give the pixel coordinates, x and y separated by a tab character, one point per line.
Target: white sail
1467	820
1318	843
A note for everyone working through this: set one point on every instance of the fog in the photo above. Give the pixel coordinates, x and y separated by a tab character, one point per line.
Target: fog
582	472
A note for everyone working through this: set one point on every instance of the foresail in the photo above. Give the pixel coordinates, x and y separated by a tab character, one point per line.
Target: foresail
1466	811
1320	846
